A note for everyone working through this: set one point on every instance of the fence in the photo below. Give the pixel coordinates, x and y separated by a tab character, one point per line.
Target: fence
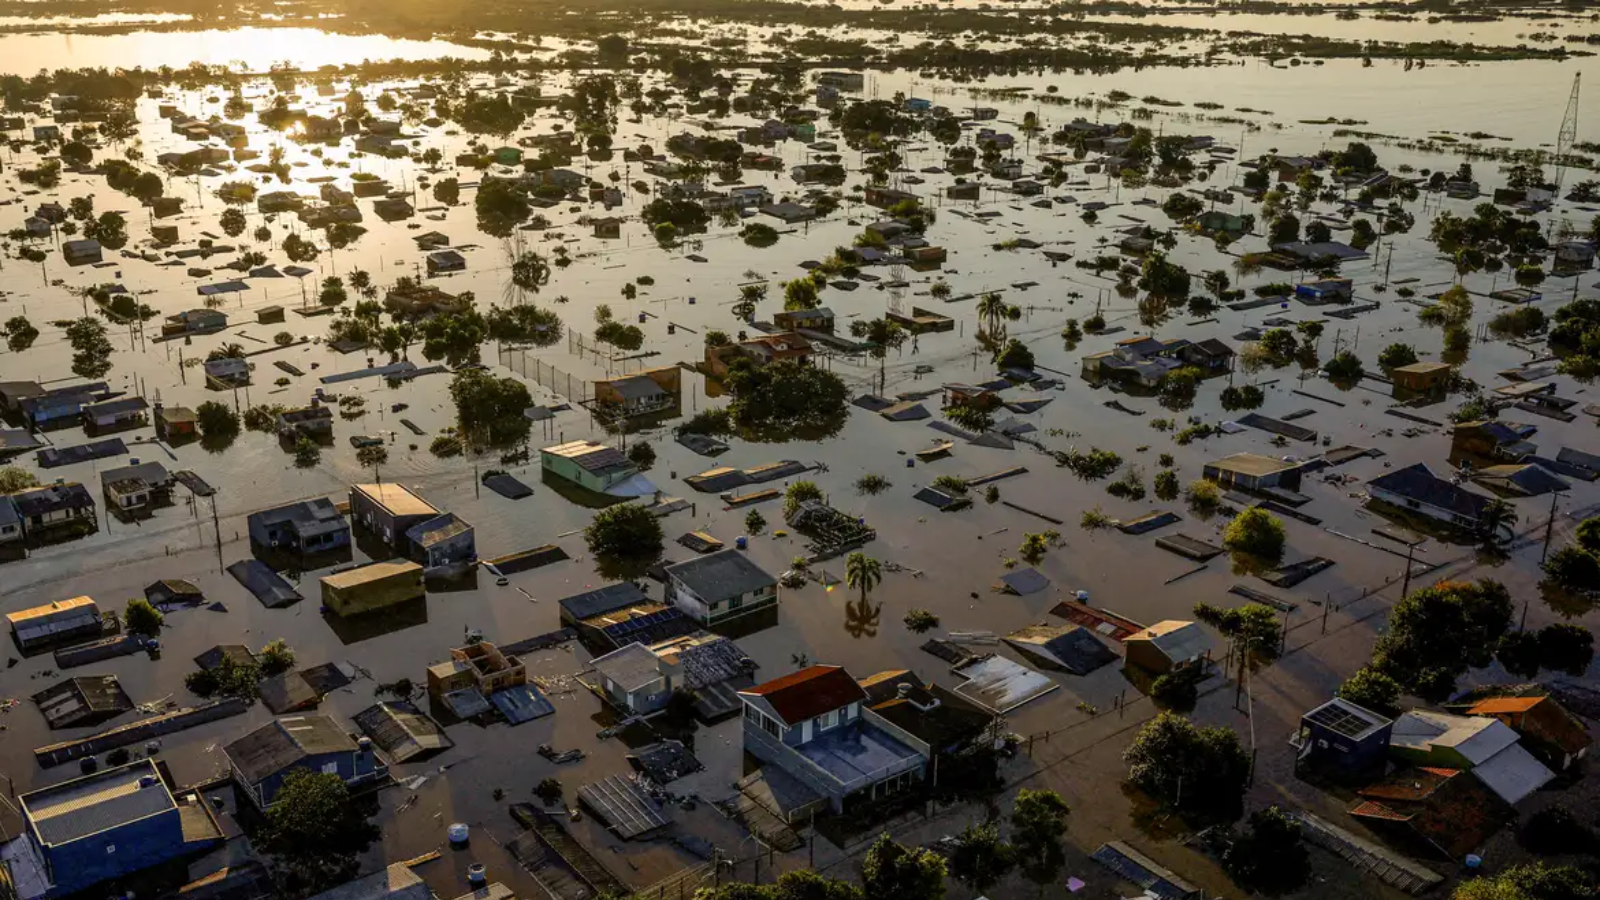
575	390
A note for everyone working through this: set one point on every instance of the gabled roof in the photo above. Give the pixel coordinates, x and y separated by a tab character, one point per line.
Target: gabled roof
1475	738
1177	640
285	742
808	693
632	668
1417	482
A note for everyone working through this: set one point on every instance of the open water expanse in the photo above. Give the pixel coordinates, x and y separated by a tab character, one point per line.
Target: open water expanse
951	561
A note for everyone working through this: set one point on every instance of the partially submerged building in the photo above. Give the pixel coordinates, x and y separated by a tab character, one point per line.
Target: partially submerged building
1416	489
55	623
717	587
810	725
1167	645
106	826
372	587
1253	472
263	760
309	526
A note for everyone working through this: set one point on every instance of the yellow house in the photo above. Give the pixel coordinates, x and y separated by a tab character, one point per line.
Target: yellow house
372	587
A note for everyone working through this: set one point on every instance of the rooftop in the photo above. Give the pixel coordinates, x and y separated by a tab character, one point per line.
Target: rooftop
85	806
632	668
397	499
1346	718
808	693
397	882
1177	639
860	753
369	573
280	744
1252	464
721	575
589	456
602	600
1476	739
76	607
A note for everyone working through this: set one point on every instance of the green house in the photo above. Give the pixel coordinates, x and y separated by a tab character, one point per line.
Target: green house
805	131
508	156
587	464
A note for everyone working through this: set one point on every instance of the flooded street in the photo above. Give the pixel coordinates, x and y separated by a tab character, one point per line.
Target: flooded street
948	563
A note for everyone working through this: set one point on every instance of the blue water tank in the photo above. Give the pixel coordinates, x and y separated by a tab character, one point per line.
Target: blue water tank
742	542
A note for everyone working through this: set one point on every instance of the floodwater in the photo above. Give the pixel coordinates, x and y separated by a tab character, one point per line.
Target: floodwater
243	49
959	556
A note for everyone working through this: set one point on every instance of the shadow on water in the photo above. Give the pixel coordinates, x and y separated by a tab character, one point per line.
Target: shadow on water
861	618
388	620
464	583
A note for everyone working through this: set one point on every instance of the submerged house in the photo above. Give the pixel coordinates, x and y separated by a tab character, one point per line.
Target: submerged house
1168	645
389	511
810	725
1494	439
54	623
54	508
1415	488
310	526
444	544
1552	733
263	759
1343	739
720	586
595	467
107	826
1253	472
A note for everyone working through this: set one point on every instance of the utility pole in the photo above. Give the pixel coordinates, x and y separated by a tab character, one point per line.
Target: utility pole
1549	526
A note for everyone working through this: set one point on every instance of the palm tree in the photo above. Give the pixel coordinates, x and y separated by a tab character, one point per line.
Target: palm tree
1497	516
992	311
227	351
863	572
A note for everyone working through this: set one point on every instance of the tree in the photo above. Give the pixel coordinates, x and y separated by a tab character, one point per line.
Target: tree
1588	534
1345	367
233	221
1437	633
1285	229
1573	568
111	230
306	453
501	207
894	872
20	333
1535	881
863	573
1201	770
447	191
14	479
489	409
980	859
642	455
1015	355
755	522
275	658
227	679
920	621
1038	824
1566	648
91	349
142	618
799	492
800	294
372	457
148	188
314	833
216	420
1318	232
1497	516
1270	858
624	531
530	272
298	249
1257	533
784	397
1253	628
1396	355
1371	689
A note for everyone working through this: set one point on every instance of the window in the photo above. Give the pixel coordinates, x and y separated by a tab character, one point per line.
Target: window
736	602
829	719
330	768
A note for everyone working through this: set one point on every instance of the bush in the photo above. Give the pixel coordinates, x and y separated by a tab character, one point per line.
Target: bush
216	419
642	455
1166	484
141	618
1179	689
1574	569
625	531
798	493
1345	367
921	621
1204	496
275	658
1256	532
1396	355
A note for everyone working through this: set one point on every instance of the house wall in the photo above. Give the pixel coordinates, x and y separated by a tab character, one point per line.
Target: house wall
643	701
1432	512
457	549
375	594
697	608
113	853
1147	656
352	766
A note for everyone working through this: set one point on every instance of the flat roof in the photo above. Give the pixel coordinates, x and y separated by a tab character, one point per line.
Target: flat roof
54	609
85	806
368	574
1252	464
589	456
397	499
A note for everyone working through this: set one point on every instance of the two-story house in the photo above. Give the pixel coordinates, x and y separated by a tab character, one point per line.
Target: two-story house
720	586
809	724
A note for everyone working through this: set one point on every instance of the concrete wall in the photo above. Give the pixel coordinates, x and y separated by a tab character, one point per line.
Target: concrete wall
772	752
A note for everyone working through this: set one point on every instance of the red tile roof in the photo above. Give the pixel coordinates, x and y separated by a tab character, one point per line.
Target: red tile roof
809	693
1504	705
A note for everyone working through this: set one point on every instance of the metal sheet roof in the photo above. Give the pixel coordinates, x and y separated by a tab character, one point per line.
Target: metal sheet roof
86	806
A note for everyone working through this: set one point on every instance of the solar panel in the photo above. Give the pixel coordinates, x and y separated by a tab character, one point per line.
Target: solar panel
1341	720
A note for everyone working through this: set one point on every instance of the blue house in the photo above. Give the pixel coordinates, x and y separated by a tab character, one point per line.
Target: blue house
809	724
444	544
263	759
310	526
1343	739
106	826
